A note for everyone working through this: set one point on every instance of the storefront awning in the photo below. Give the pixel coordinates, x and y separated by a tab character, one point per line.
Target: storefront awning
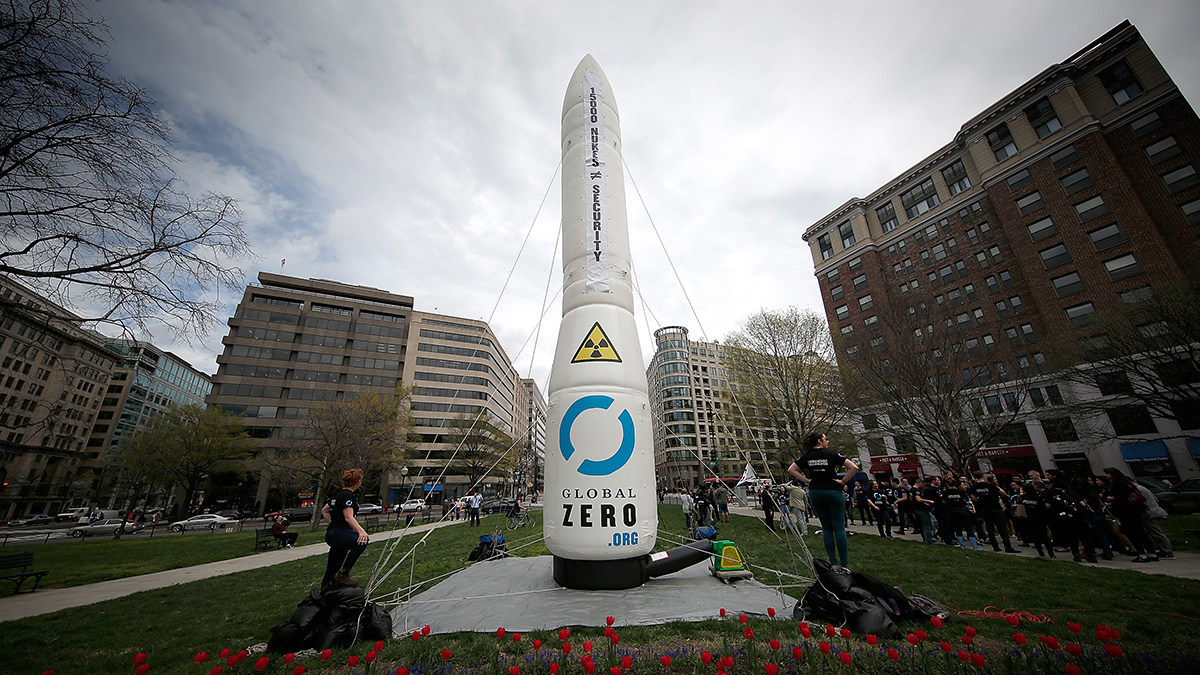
1145	451
909	466
881	468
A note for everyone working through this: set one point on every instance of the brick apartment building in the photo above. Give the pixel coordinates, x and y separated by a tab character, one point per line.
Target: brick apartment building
1072	197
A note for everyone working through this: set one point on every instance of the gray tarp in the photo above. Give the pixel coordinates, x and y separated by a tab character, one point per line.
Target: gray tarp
519	594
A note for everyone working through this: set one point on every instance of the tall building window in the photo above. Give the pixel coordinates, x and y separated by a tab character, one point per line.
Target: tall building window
1055	256
1042	229
1181	179
1074	182
1043	118
1106	237
1123	267
1019	179
1063	157
1191	211
1120	82
1001	142
1163	150
1081	314
1091	208
1145	124
956	177
887	217
1030	203
920	199
1067	284
846	230
826	245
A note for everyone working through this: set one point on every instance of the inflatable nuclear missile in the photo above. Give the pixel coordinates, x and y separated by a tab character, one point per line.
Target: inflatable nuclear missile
601	516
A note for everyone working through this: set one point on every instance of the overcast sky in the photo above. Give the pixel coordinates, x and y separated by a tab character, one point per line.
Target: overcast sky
407	145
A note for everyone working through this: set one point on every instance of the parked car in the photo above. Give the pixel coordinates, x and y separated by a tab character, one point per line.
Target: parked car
299	515
205	520
106	526
1154	485
72	514
232	514
1183	498
369	509
413	505
37	519
497	506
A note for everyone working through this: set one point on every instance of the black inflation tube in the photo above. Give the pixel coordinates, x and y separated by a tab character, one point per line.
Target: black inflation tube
668	562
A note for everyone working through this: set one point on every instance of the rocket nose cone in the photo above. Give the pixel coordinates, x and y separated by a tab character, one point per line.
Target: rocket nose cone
574	90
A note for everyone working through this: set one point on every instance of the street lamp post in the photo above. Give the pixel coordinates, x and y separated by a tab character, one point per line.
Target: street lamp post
403	479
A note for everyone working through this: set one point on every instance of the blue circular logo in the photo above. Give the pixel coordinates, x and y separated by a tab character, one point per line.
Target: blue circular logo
619	458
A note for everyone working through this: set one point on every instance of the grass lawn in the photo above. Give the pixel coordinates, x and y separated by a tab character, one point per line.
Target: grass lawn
1153	613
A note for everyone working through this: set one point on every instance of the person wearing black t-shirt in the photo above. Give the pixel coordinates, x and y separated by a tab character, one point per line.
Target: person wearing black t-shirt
925	496
959	511
989	507
346	538
880	501
818	468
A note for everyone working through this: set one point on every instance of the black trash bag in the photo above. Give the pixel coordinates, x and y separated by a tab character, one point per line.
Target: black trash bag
896	601
871	619
286	638
836	599
835	580
334	636
375	624
818	604
348	596
310	612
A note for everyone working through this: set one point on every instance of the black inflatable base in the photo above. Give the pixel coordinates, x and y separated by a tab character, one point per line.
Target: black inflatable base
601	575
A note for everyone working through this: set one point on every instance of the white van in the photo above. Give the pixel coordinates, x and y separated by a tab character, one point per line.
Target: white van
72	515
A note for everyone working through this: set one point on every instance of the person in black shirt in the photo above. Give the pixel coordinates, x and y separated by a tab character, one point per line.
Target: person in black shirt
925	496
768	506
818	468
989	507
346	538
959	511
1035	517
880	501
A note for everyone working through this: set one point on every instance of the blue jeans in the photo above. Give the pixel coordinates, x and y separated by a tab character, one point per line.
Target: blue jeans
830	507
344	551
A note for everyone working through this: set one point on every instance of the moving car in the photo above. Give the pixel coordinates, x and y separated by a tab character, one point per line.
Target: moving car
37	519
106	526
72	514
299	515
232	514
413	505
205	520
1183	498
369	509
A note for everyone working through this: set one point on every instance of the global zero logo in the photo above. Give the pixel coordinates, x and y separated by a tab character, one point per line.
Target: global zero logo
589	467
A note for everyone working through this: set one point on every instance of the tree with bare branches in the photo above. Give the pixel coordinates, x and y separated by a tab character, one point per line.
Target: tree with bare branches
94	215
482	448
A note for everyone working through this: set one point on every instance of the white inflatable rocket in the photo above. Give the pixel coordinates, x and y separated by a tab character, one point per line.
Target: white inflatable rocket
601	514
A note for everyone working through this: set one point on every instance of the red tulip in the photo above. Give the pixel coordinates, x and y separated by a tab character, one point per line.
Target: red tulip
553	669
201	657
142	669
666	660
215	671
749	633
1103	635
243	654
771	613
48	671
806	632
564	634
893	654
772	669
446	655
139	659
977	660
1073	669
537	644
804	624
743	618
608	631
224	654
370	657
615	670
1074	649
774	644
425	630
326	654
967	639
706	657
936	621
516	637
872	640
299	670
727	661
352	661
262	663
946	646
566	647
1018	638
289	657
921	634
970	631
824	646
963	656
830	631
402	671
589	667
1114	651
416	635
1074	627
615	638
609	620
1051	642
379	646
587	647
513	670
722	612
845	633
499	633
626	662
231	661
797	653
845	657
1013	620
913	639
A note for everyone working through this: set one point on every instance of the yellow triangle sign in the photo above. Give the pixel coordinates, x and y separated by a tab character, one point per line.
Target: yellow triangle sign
596	347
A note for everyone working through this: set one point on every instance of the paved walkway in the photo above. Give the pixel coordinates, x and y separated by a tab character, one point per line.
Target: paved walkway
49	600
1185	565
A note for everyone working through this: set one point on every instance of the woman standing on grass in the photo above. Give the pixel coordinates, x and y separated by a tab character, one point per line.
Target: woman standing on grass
346	538
818	468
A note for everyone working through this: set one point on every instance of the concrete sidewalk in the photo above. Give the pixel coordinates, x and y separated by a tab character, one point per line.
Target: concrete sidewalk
24	605
1185	565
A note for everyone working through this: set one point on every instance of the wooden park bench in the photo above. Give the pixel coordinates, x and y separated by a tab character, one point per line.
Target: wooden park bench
23	561
373	524
265	538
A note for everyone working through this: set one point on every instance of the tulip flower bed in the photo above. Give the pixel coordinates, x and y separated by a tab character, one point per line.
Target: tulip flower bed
1096	620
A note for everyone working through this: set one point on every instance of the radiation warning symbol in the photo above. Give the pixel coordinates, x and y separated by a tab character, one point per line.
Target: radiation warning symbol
596	347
